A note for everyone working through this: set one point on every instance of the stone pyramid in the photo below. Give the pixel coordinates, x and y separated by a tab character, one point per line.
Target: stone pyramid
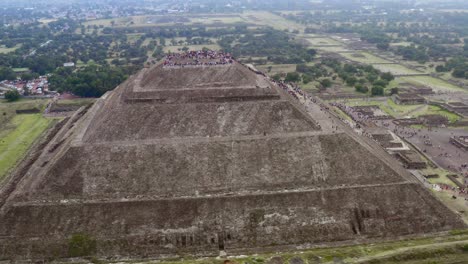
194	160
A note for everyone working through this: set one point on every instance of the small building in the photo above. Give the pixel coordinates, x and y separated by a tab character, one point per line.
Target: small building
408	99
460	142
411	160
69	64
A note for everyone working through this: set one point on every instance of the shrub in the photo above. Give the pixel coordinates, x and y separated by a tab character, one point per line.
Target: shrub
80	245
12	95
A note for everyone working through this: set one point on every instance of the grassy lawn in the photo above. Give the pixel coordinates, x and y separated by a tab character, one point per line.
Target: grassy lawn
323	42
396	69
276	68
364	57
442	176
401	44
434	83
458	205
388	106
335	49
8	110
17	138
263	18
436	110
4	49
18	132
210	19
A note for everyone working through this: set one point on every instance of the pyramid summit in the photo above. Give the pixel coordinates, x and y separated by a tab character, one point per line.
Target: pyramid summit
198	154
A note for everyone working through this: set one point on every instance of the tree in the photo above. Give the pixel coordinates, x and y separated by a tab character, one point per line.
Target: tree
6	73
361	88
326	83
381	82
27	76
276	77
441	68
12	96
306	79
394	90
388	76
377	91
351	81
383	46
292	77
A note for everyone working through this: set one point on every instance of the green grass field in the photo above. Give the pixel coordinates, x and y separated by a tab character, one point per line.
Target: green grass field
8	110
17	137
323	42
436	110
364	57
18	132
165	20
277	68
434	83
4	49
396	69
263	18
442	176
388	106
400	111
335	49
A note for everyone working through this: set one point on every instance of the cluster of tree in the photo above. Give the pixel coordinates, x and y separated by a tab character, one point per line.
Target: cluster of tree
91	81
458	66
6	73
413	53
379	38
362	77
12	95
278	46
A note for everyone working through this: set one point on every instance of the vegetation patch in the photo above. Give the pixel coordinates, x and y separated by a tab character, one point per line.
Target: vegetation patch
396	69
434	83
364	57
81	245
17	137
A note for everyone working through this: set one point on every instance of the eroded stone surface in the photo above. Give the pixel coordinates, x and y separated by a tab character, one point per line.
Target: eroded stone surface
203	160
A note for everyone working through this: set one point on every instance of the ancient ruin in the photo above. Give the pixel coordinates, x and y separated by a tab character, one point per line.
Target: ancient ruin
198	160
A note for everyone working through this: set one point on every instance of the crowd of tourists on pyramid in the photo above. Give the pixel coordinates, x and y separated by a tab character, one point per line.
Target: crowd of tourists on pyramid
198	58
284	86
